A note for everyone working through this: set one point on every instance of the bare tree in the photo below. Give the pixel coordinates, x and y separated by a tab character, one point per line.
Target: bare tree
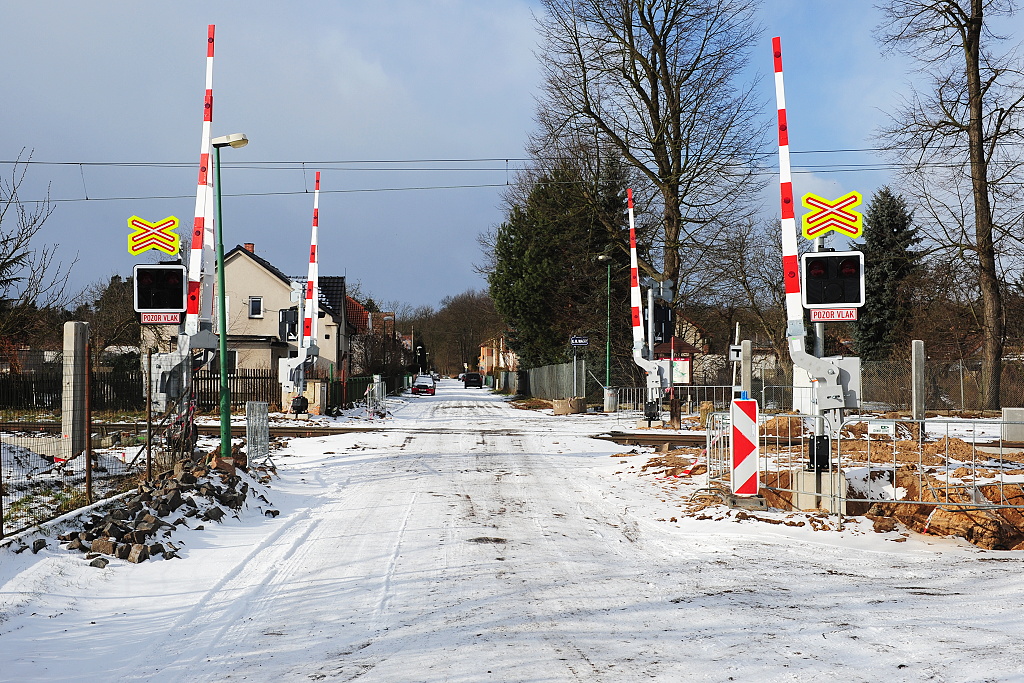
962	136
658	80
31	277
747	271
108	307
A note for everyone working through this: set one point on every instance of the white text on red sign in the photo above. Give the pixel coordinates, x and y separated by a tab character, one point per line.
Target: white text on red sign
824	315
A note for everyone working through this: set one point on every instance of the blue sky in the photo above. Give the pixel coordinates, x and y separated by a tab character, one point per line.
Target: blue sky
322	82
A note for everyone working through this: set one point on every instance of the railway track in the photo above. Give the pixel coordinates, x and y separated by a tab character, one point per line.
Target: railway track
657	440
106	428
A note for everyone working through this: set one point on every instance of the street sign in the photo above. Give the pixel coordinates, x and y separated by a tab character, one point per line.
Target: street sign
579	341
159	235
160	318
744	447
882	427
835	215
833	315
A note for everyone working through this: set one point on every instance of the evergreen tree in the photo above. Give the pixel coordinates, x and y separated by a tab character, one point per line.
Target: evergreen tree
545	282
889	264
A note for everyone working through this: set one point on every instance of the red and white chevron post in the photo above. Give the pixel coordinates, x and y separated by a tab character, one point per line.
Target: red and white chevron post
201	255
744	446
312	283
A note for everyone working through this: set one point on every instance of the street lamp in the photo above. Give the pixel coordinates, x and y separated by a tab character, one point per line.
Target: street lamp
234	140
419	355
607	260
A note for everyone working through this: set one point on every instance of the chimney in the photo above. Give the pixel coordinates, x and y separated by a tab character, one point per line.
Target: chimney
250	247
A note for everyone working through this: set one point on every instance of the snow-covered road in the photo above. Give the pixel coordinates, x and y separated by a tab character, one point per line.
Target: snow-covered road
471	541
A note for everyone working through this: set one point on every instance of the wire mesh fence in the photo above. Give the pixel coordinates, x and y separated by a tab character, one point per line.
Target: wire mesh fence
55	462
960	477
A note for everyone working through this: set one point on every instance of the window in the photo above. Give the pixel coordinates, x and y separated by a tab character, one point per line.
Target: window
256	307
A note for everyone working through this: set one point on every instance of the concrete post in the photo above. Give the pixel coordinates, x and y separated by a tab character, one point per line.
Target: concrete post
917	381
74	430
746	367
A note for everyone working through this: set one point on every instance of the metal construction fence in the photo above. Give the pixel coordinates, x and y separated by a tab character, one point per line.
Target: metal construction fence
257	432
352	392
884	386
945	476
630	401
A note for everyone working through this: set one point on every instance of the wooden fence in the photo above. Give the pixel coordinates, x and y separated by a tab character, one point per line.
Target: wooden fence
245	385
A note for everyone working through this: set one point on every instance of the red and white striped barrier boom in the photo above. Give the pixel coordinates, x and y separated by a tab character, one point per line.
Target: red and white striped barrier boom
199	309
790	252
636	304
312	279
828	388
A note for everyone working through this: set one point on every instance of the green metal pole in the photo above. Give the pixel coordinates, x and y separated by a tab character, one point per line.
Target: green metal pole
608	333
222	323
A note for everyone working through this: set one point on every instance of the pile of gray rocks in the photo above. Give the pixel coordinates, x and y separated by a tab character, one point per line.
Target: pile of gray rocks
140	526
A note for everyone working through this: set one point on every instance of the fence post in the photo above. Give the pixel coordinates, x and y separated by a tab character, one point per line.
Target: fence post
1	499
917	382
74	425
149	415
88	421
746	366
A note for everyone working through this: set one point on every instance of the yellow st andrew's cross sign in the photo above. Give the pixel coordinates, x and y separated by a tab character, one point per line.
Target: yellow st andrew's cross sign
838	215
159	235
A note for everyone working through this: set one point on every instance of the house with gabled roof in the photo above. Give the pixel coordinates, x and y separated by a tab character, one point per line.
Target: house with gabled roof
264	321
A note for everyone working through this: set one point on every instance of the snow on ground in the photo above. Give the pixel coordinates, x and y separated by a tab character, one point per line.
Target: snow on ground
471	541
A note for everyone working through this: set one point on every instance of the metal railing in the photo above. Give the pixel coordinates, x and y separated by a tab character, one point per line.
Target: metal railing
945	476
631	400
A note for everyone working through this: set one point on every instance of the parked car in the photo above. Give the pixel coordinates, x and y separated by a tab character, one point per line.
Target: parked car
424	384
473	379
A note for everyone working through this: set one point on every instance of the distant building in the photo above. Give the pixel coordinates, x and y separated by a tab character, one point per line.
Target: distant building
496	354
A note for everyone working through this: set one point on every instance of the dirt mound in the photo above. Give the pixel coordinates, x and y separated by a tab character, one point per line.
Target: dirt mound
531	404
958	449
967	512
677	463
785	426
891	452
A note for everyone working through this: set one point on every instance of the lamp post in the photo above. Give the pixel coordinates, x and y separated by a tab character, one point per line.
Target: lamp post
607	260
235	140
419	355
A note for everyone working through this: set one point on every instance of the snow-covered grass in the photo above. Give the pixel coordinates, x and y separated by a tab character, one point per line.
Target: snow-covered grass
466	540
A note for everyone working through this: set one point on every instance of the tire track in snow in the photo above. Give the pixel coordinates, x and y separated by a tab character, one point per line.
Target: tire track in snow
386	590
182	635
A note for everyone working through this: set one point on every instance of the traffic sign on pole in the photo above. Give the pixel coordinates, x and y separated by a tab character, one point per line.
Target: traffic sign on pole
837	214
579	341
156	235
744	447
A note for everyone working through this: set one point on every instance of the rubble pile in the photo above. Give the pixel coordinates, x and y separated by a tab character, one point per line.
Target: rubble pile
140	526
